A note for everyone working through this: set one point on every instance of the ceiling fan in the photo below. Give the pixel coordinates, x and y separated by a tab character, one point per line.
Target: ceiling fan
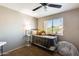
47	4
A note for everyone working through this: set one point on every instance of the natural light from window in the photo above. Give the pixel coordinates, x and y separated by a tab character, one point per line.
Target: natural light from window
54	26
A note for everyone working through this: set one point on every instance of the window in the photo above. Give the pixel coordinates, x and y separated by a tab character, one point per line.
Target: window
54	26
48	26
58	26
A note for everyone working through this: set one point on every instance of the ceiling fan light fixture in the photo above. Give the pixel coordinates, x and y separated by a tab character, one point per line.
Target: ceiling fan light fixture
45	6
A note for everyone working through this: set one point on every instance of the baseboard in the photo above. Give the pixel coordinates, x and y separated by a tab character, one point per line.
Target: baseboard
12	50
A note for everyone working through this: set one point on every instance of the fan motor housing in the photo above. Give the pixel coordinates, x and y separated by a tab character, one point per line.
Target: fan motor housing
43	4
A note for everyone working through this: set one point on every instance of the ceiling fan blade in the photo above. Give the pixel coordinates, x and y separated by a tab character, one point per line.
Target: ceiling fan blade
36	8
55	5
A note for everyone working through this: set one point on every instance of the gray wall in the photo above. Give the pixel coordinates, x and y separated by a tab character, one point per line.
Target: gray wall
12	27
71	25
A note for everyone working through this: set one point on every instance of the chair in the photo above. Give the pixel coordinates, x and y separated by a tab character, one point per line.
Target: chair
67	49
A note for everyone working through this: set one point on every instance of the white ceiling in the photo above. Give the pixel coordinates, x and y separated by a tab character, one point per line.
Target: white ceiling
26	8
